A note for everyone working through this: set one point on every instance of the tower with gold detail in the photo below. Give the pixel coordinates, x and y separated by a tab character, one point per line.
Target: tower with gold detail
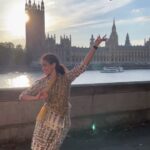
35	30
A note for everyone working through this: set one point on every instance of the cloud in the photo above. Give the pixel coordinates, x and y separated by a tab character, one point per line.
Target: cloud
88	24
73	13
137	11
137	42
141	19
107	23
50	3
69	13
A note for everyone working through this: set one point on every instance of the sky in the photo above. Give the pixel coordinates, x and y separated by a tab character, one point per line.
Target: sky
80	19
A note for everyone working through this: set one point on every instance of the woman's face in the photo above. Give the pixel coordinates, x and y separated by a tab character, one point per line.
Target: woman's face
47	68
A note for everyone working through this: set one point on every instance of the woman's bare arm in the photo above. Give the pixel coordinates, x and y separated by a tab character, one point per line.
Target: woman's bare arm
41	95
92	51
79	69
34	92
26	97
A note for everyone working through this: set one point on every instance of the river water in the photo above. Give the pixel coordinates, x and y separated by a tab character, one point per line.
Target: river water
19	79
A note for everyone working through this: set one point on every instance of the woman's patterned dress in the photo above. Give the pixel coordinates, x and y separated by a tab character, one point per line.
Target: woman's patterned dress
53	121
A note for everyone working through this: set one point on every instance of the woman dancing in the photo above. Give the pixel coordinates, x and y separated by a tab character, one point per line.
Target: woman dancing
53	121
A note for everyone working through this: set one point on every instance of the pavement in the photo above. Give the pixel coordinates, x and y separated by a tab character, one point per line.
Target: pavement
127	137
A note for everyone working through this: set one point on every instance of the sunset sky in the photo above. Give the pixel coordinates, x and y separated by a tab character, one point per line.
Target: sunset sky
80	19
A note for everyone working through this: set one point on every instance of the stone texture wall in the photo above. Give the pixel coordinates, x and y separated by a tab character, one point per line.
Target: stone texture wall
104	104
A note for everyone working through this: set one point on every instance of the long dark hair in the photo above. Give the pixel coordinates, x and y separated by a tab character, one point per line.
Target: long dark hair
51	58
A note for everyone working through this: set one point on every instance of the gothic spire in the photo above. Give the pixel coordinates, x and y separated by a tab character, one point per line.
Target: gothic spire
34	5
42	5
127	42
26	5
38	5
92	40
114	26
30	2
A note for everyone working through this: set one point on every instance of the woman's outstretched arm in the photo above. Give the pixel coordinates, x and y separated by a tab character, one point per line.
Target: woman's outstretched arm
27	97
77	70
34	92
92	51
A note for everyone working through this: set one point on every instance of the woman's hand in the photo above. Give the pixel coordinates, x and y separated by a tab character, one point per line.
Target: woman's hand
37	97
42	95
99	40
92	51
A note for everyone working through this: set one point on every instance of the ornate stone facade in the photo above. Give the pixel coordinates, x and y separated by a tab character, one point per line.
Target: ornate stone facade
112	54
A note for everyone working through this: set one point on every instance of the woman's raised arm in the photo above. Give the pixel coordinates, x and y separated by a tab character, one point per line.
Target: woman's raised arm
77	70
91	53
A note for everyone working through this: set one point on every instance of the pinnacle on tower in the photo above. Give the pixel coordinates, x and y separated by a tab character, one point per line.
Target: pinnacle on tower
34	5
114	21
92	37
112	42
127	42
29	2
114	26
92	40
26	5
38	5
42	5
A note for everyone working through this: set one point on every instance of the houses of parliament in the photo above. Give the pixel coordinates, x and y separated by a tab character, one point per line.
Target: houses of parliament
112	53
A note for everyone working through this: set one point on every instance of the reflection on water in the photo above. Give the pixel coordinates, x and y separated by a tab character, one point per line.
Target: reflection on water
19	81
16	79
